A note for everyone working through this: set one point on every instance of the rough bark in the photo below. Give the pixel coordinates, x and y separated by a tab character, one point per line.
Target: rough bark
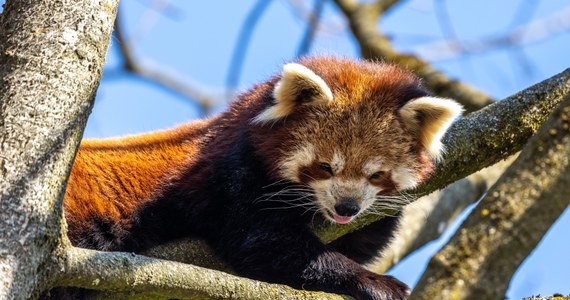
148	278
51	57
508	223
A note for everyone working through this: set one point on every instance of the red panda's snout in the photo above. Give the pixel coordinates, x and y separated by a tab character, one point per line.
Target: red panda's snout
346	210
341	199
347	207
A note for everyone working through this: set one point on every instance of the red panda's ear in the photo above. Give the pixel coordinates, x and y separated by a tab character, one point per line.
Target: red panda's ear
429	118
298	86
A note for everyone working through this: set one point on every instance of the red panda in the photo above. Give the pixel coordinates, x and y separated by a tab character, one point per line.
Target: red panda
327	139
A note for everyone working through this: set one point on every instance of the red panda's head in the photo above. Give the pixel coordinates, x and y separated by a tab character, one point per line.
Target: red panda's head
355	132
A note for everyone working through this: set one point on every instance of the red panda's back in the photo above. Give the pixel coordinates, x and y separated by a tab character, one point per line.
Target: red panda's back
111	178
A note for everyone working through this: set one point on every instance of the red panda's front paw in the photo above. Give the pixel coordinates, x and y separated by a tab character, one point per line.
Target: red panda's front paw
372	286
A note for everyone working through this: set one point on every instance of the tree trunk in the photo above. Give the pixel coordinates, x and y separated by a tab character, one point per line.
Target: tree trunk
51	57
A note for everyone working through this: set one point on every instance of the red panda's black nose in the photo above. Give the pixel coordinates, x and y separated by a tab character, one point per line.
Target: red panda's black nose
347	207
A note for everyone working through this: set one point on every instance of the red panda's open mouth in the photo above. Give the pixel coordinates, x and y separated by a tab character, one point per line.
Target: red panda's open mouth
338	219
342	220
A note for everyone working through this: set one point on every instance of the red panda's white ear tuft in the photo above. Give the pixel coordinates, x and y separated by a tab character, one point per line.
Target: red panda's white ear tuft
298	86
429	118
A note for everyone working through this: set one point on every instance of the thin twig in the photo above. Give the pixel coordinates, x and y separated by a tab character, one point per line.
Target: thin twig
170	79
314	21
332	25
238	55
165	8
556	23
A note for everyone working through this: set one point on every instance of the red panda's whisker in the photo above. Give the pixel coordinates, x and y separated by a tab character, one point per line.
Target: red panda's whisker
307	206
380	213
313	217
287	207
285	192
386	207
389	205
275	183
398	199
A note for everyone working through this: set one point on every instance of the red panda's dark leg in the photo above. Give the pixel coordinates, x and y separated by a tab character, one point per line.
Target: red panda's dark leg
365	244
289	254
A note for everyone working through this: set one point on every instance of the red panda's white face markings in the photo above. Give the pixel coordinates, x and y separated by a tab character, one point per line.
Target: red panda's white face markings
355	133
289	165
341	196
345	186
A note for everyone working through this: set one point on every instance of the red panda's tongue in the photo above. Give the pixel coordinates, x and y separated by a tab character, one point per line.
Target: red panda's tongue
342	220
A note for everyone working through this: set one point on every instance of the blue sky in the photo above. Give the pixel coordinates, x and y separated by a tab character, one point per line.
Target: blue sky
198	38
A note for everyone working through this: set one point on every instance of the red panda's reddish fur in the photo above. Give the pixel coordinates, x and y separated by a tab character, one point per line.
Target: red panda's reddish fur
111	178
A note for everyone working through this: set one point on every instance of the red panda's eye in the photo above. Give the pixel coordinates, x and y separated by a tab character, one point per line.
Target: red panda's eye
376	175
326	167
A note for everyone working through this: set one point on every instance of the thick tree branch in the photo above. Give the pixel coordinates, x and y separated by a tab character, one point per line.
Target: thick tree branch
509	222
151	278
363	19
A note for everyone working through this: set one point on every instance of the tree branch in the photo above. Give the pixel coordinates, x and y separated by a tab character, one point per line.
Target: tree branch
309	36
170	79
534	31
332	25
151	278
240	48
363	19
509	222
